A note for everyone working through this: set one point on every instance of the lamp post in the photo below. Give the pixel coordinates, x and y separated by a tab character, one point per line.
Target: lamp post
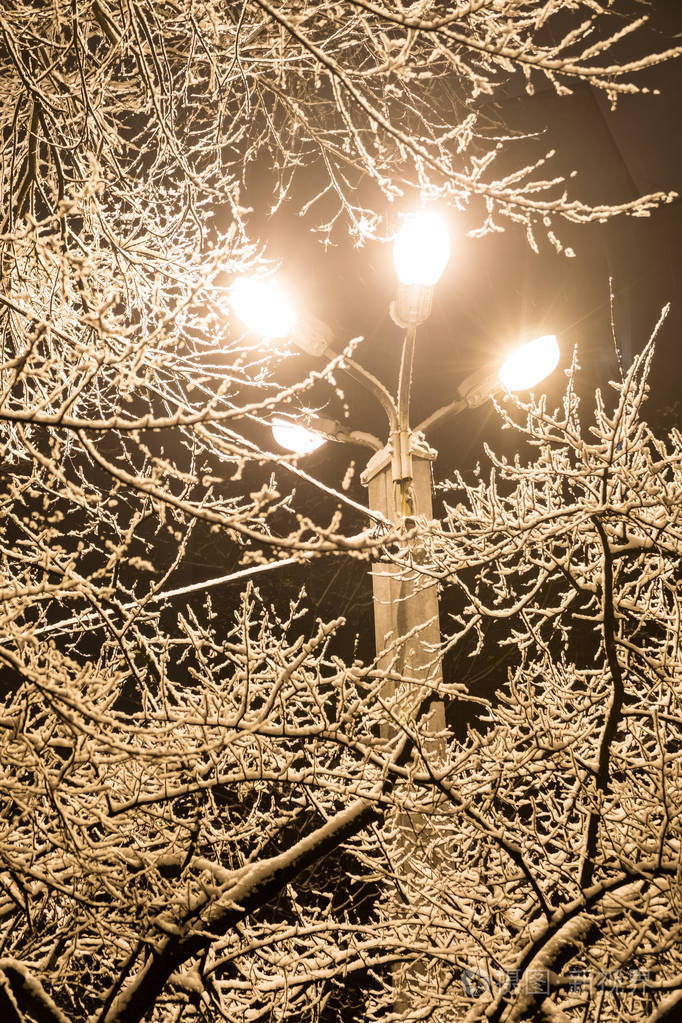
399	473
399	483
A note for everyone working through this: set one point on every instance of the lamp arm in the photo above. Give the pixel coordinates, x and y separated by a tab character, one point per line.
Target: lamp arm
375	387
316	338
475	390
452	409
405	379
336	431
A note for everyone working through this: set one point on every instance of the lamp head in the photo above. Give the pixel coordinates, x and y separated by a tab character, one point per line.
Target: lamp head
263	306
295	437
528	364
421	249
524	367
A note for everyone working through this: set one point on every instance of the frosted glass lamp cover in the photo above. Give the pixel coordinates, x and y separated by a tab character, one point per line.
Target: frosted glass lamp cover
294	437
421	249
263	306
528	364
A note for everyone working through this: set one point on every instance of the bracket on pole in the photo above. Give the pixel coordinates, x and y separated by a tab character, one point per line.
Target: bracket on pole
397	458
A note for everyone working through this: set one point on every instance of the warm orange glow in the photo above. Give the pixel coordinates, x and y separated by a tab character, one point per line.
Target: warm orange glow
263	306
421	249
295	437
527	365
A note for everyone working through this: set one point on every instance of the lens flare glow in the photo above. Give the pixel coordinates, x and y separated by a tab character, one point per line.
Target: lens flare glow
527	365
421	249
295	437
263	306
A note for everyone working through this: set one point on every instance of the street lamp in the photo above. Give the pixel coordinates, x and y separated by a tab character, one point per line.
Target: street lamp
295	437
398	475
421	251
528	364
263	306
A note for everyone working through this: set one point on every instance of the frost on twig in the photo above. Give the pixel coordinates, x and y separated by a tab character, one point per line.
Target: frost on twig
226	814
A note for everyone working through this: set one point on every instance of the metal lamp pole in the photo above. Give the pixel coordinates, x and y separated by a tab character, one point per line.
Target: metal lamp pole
400	488
399	481
399	473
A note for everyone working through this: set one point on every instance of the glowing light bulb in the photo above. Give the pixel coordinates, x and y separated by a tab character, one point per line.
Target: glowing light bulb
295	437
530	363
421	249
262	306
